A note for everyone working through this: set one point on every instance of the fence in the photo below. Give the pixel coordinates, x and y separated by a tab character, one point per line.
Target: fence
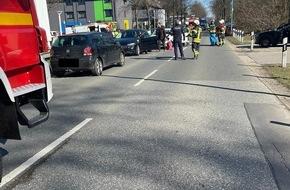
239	35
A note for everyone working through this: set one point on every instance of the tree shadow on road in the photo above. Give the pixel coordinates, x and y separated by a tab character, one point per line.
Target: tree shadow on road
203	85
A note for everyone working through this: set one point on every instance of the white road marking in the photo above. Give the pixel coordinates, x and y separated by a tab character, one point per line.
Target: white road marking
138	83
23	167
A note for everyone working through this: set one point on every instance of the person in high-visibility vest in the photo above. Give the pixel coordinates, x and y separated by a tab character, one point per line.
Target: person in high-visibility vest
212	33
196	38
221	32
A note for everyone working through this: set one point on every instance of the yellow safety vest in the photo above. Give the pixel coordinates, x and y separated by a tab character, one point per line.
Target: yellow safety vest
212	29
196	35
223	30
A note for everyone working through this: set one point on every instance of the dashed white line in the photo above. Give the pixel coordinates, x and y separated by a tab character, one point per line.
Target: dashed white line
26	165
140	82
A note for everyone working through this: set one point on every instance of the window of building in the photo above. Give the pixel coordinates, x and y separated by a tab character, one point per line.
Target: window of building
107	1
69	15
81	2
109	13
68	2
125	14
82	14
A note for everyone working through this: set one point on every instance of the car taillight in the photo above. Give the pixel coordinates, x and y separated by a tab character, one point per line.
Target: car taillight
88	51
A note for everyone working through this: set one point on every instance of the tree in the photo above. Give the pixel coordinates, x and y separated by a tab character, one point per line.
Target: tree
147	4
255	15
198	10
53	4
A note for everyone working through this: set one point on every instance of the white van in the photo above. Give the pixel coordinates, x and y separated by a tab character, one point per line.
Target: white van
98	27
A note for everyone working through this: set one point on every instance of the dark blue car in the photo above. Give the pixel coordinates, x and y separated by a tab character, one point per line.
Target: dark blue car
136	41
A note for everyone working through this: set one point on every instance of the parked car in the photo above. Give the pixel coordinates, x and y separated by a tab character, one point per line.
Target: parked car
167	37
89	51
229	31
136	41
273	37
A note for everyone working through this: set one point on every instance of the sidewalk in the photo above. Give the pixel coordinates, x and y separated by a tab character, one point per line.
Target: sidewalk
271	55
256	59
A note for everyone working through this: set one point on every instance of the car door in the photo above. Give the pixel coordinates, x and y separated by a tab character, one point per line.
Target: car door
147	41
113	48
100	48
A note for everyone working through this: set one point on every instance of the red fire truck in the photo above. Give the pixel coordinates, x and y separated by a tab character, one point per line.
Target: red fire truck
24	74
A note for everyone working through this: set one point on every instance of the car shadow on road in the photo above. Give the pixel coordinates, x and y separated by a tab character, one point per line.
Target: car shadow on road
154	58
201	85
75	74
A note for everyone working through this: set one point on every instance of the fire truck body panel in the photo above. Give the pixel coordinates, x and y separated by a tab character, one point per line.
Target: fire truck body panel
24	74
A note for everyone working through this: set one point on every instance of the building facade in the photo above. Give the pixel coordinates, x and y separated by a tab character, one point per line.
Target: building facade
81	12
68	13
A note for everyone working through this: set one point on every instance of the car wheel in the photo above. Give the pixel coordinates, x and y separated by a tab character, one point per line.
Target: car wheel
265	42
137	50
59	73
122	59
98	68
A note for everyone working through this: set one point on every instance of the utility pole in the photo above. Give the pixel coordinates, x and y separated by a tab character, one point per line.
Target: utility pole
224	9
232	14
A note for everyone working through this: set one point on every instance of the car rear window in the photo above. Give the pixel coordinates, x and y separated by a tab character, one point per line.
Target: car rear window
70	41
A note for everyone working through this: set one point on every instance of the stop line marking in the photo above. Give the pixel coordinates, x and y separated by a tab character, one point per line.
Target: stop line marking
142	80
41	154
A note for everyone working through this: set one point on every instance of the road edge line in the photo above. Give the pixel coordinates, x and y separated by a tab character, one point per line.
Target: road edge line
41	154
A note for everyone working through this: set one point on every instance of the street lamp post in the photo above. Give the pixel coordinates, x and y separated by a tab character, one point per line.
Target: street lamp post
59	22
232	14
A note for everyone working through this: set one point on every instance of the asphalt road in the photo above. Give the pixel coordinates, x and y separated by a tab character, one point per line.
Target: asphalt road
157	123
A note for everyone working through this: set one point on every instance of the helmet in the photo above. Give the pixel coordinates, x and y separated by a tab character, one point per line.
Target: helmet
222	21
196	22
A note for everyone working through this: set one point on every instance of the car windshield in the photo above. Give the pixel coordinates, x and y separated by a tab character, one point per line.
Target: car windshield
70	41
281	27
127	34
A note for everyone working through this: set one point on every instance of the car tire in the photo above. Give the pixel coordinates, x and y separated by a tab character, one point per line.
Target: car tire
98	67
59	73
265	42
137	50
122	59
